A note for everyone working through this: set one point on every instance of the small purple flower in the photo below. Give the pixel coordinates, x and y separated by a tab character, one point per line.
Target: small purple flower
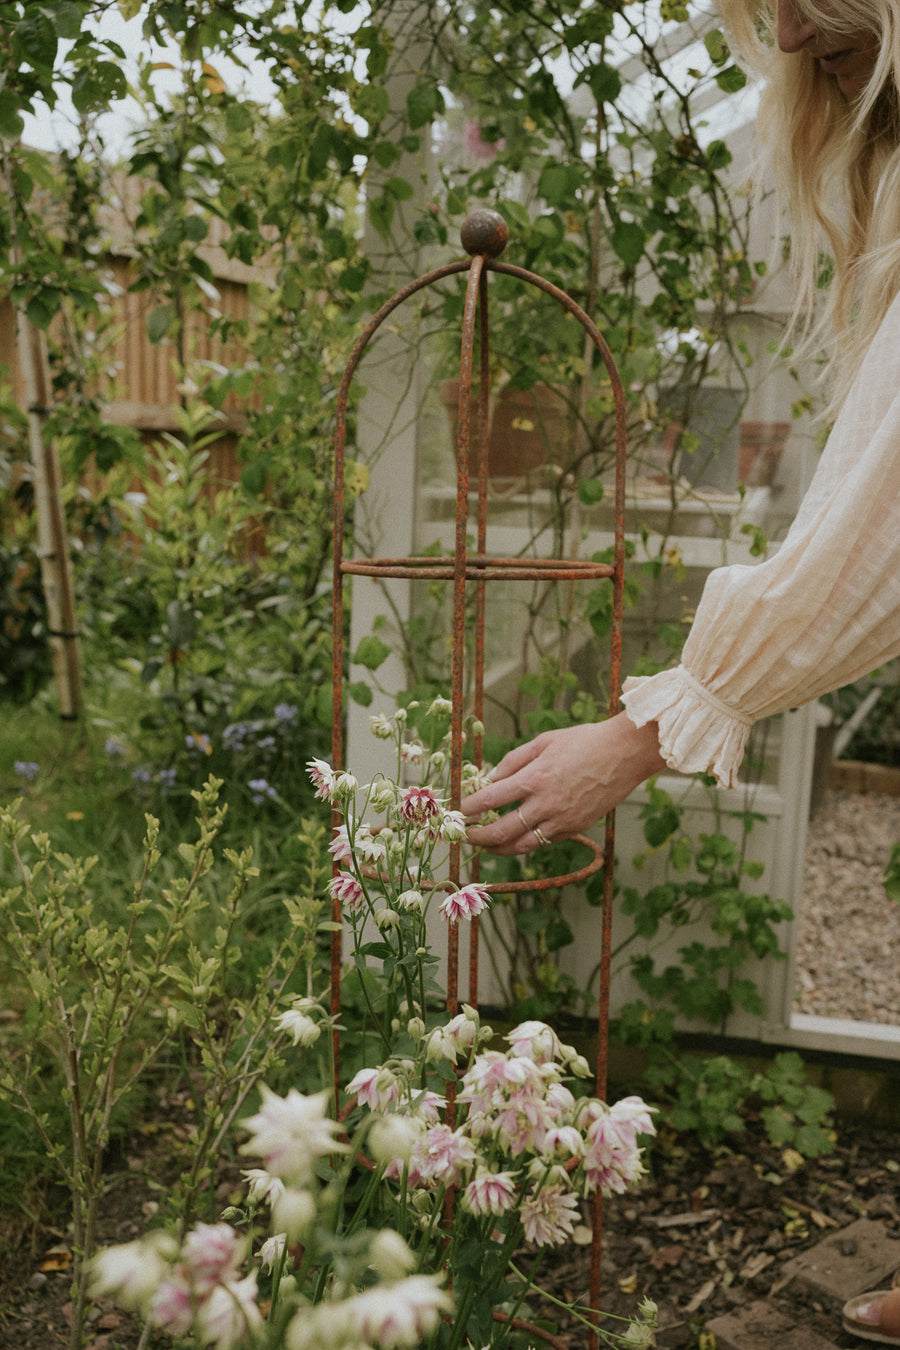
167	780
26	769
266	743
141	777
234	736
286	713
113	748
262	791
198	741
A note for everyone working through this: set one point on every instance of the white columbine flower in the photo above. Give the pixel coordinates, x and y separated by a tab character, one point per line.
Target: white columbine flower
293	1212
262	1186
291	1132
393	1137
381	727
302	1029
132	1272
272	1251
390	1256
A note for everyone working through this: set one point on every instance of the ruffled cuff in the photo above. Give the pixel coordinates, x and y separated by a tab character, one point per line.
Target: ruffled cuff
698	733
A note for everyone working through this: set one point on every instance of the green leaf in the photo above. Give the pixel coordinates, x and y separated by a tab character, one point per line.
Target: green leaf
319	151
590	491
42	308
533	920
360	693
12	123
605	83
628	241
399	188
159	321
423	103
371	102
381	213
558	185
371	652
731	79
716	47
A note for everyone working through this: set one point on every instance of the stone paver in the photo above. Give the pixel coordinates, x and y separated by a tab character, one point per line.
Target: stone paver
851	1261
762	1326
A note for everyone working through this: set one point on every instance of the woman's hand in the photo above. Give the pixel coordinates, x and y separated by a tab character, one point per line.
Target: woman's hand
564	782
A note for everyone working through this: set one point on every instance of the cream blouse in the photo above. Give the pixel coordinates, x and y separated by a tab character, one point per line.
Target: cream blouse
820	613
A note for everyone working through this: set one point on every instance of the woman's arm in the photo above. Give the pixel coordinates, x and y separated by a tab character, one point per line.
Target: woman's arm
565	781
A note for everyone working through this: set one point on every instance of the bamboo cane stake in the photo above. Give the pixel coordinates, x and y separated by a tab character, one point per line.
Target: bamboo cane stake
52	539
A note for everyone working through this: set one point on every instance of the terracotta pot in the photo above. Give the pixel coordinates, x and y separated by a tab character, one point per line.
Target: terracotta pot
529	428
762	445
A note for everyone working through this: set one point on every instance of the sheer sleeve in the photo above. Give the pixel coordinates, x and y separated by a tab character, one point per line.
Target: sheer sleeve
820	613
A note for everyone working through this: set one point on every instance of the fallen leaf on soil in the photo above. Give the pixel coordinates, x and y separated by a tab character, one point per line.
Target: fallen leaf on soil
701	1296
756	1265
56	1258
667	1256
682	1220
628	1283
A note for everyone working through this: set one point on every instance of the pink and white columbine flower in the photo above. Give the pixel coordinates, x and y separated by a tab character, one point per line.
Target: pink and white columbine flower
339	847
211	1254
490	1193
443	1155
172	1305
229	1316
419	806
290	1133
464	903
402	1313
346	888
536	1040
411	752
323	778
611	1161
375	1088
549	1215
523	1122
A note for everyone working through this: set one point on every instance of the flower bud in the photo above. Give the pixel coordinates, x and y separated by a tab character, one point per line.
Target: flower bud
415	1028
390	1256
293	1213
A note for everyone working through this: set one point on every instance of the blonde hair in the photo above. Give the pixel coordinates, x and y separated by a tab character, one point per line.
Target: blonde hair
837	173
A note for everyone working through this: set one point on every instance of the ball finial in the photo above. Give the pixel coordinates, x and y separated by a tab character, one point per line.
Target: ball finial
484	232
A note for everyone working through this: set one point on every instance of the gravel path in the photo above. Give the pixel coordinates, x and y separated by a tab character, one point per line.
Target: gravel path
849	943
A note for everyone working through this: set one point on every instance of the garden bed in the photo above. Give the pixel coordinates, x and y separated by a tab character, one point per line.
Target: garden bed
705	1234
